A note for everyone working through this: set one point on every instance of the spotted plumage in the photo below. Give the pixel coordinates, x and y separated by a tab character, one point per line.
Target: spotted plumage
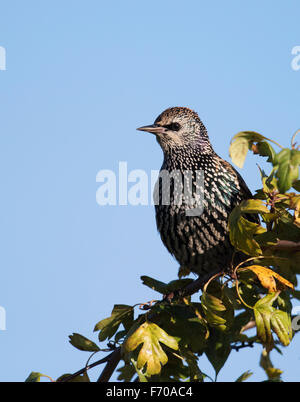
197	238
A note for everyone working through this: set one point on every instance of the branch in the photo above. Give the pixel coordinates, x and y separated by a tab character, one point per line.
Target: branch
285	245
251	324
242	346
83	370
112	362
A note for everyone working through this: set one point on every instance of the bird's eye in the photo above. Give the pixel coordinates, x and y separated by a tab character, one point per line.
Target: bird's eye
173	126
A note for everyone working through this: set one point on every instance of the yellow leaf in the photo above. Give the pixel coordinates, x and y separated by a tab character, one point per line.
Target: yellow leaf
238	151
267	278
241	143
152	354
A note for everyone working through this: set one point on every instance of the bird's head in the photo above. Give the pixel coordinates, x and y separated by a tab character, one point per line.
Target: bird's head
179	127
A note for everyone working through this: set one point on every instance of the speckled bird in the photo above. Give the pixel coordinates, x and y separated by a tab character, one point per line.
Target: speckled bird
199	243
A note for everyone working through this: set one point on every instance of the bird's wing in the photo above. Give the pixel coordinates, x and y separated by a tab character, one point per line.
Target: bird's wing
245	192
243	186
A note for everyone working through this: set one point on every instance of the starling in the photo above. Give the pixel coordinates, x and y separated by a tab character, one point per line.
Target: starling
199	241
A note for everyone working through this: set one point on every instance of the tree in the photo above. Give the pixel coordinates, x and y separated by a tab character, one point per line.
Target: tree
164	341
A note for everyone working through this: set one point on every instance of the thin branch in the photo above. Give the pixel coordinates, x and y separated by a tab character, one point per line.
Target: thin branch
112	362
293	139
83	370
285	245
276	143
242	346
251	324
239	295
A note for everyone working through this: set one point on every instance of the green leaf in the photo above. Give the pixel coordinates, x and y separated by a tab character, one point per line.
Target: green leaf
158	286
119	335
218	312
36	377
152	354
178	284
183	322
242	231
80	378
262	319
247	288
241	143
165	288
253	207
242	236
267	318
265	149
195	374
244	376
288	168
121	314
287	230
269	184
175	370
296	185
82	343
281	325
142	377
126	372
218	349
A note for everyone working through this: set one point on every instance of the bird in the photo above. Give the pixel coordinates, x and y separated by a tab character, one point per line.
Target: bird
198	237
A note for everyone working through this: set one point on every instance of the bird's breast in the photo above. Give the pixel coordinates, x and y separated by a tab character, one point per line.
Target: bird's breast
192	210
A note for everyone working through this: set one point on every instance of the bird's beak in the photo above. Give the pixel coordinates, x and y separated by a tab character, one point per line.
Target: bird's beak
153	128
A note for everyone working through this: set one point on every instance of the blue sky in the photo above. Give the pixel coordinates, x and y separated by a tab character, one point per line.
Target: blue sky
80	77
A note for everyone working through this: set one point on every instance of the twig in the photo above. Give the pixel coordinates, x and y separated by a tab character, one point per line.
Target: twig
251	324
88	367
147	305
239	295
285	245
242	346
112	362
293	139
